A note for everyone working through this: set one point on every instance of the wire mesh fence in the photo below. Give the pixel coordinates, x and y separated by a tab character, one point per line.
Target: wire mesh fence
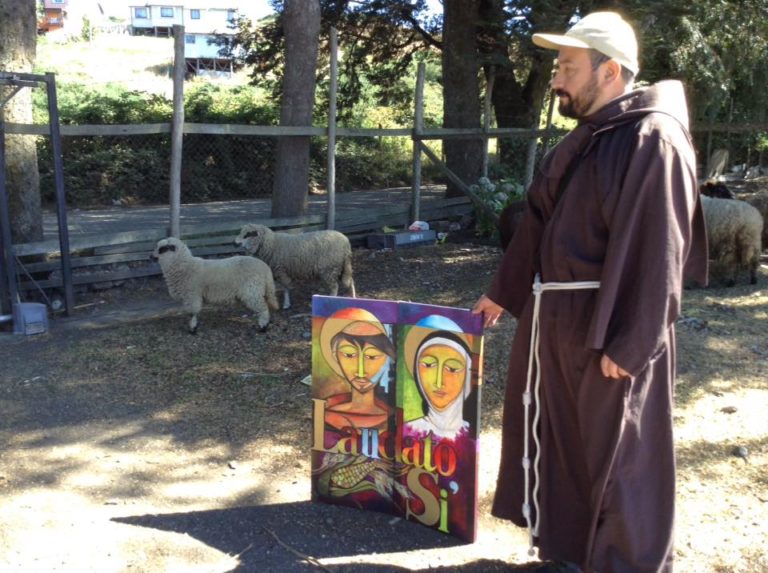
127	169
135	169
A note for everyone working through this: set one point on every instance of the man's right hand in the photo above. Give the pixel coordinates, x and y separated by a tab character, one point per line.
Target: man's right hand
489	309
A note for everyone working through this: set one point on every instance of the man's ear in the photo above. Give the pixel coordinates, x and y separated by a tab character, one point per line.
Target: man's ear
611	71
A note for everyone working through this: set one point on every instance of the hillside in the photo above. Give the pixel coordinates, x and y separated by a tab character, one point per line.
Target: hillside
137	62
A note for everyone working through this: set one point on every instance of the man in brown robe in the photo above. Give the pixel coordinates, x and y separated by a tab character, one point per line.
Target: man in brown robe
615	203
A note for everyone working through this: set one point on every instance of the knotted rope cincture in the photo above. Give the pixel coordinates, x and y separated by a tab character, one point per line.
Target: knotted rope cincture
528	398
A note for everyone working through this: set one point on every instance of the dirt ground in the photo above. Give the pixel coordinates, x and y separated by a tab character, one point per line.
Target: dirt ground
128	445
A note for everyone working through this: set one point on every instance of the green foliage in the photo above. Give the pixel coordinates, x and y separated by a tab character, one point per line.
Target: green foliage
206	102
86	29
761	141
497	196
381	40
109	104
368	163
134	169
101	171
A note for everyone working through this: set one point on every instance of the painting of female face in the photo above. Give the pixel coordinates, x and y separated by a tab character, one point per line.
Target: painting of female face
360	364
442	372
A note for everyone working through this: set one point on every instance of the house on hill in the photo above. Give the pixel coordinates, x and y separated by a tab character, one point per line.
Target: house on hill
54	13
203	21
77	18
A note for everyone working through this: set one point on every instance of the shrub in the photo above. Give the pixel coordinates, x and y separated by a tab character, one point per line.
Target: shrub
496	196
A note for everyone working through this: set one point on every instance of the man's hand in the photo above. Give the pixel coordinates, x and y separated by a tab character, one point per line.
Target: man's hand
611	369
489	309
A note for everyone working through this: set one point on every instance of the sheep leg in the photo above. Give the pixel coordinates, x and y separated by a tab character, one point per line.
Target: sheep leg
332	287
194	306
262	319
285	282
346	277
258	305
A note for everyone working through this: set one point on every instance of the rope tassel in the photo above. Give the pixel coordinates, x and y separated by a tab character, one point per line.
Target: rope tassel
532	396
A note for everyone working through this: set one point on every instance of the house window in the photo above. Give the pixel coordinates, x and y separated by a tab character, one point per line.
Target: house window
189	39
166	12
194	14
59	1
140	13
230	15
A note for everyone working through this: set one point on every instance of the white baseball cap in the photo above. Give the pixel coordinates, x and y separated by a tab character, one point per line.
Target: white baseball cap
606	32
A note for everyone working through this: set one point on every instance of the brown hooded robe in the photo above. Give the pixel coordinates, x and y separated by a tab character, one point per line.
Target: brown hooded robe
629	216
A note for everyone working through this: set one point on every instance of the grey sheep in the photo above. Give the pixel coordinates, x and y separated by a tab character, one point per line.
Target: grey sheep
319	255
734	228
194	280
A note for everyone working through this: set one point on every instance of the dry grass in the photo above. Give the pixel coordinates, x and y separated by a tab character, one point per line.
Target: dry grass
141	63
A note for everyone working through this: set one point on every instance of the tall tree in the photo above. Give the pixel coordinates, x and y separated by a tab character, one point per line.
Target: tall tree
461	93
301	25
716	48
18	43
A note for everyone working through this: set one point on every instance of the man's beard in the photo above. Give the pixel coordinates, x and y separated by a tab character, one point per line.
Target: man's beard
576	107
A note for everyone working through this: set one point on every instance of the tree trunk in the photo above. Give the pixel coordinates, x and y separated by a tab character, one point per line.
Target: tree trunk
18	43
461	90
518	93
301	24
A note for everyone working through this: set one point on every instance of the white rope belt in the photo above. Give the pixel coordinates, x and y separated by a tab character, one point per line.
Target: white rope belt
533	361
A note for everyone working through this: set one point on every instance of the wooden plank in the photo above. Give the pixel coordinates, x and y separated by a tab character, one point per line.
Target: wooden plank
92	130
212	240
198	247
373	132
252	130
100	241
447	212
51	246
142	246
82	262
86	130
476	201
151	269
276	223
207	251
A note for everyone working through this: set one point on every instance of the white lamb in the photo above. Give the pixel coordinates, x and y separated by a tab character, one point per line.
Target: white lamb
193	280
319	255
734	229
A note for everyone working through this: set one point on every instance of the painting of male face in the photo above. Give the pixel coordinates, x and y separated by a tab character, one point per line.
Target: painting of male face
360	364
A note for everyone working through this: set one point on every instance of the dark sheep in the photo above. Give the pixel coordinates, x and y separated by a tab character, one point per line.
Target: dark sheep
509	221
716	189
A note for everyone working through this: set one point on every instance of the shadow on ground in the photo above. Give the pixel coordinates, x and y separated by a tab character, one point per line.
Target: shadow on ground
299	536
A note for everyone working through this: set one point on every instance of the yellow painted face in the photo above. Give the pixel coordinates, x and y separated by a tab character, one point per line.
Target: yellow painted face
442	371
359	364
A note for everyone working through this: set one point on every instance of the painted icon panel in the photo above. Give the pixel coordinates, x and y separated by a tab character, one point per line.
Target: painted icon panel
396	403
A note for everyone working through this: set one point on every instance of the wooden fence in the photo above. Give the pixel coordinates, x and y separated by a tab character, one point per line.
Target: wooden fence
106	259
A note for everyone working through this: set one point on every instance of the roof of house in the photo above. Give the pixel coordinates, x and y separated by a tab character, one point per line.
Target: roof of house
196	4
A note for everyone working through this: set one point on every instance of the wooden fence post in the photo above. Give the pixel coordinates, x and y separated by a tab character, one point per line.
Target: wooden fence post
331	182
548	128
487	119
177	129
418	127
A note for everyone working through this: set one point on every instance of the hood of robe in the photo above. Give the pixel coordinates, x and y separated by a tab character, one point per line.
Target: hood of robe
667	97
